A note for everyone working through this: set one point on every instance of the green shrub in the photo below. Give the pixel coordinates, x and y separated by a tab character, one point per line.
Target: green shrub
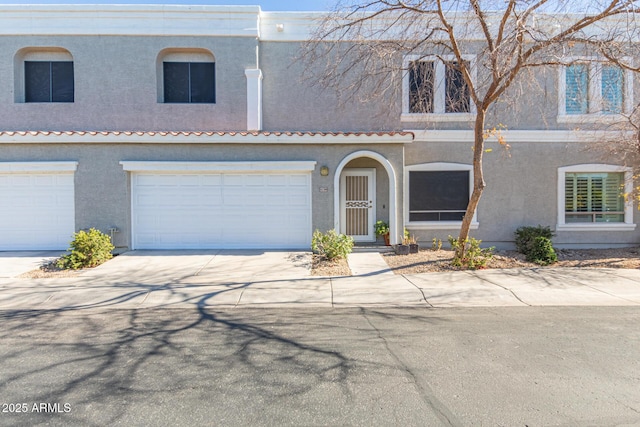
331	245
88	249
381	228
535	243
474	256
525	237
542	251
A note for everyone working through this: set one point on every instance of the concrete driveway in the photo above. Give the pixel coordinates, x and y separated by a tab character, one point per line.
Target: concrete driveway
13	264
146	266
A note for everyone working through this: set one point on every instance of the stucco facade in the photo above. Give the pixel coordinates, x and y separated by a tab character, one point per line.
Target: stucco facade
264	111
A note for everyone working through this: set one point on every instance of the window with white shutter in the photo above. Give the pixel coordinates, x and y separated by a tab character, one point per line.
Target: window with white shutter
592	197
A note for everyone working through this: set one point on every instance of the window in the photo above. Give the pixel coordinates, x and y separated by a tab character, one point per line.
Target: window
438	194
436	90
189	82
592	197
48	81
421	77
593	88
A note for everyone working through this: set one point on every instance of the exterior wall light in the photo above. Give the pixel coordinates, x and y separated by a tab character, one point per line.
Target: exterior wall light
324	171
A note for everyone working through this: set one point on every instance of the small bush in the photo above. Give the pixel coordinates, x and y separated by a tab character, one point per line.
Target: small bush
88	249
436	244
381	228
331	245
542	251
525	237
474	256
535	243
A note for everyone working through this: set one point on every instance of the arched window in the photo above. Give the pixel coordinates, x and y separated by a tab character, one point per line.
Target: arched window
186	76
44	75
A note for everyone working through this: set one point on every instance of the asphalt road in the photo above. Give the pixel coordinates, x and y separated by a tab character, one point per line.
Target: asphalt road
492	367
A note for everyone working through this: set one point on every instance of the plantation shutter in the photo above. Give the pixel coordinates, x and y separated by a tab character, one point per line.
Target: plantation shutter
594	193
612	82
613	200
577	89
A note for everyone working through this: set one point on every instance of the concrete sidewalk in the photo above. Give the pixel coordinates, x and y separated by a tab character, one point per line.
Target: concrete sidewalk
266	279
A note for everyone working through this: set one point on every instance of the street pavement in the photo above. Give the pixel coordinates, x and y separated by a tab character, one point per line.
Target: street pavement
254	278
314	366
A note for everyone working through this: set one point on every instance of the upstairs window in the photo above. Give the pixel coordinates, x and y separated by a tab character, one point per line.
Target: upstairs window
189	82
456	90
577	89
436	90
421	86
48	81
612	84
593	88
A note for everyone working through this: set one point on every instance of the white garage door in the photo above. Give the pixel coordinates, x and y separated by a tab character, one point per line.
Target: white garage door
37	210
267	210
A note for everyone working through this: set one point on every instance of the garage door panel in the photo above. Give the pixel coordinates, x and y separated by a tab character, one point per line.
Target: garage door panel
223	210
37	211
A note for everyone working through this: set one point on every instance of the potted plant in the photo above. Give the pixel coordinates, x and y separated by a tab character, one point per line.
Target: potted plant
382	229
413	245
403	248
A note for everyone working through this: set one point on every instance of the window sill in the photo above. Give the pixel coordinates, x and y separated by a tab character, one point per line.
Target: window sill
602	226
446	117
439	225
586	118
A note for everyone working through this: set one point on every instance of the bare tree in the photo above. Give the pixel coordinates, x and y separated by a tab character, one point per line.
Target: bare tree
359	51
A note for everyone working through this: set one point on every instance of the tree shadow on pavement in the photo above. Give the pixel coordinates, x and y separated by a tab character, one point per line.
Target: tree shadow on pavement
236	363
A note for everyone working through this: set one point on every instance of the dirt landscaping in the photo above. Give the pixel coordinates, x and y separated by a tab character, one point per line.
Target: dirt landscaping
49	271
323	267
428	261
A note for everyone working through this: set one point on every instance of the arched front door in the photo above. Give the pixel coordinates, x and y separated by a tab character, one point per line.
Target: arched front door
358	194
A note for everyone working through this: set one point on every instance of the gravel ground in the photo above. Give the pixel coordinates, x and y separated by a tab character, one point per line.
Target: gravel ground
428	260
48	271
323	267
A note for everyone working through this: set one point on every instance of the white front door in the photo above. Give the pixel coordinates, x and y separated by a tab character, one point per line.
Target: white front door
357	203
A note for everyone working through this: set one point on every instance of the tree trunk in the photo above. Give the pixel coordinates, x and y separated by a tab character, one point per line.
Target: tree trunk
478	182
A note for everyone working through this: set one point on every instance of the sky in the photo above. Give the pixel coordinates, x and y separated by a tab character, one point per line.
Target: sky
268	5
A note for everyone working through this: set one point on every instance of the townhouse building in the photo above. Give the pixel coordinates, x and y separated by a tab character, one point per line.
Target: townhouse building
192	127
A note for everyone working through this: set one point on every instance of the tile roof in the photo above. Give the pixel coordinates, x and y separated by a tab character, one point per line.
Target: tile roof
203	133
203	137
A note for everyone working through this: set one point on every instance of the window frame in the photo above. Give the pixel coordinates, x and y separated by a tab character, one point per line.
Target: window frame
439	95
189	78
595	98
627	225
51	80
436	167
39	54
